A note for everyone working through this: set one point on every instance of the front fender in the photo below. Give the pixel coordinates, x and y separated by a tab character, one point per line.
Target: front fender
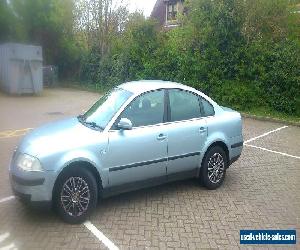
81	156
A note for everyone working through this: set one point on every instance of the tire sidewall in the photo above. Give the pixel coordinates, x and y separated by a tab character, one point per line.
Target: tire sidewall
92	184
204	169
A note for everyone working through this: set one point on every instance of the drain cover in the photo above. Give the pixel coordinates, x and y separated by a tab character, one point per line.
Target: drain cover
54	113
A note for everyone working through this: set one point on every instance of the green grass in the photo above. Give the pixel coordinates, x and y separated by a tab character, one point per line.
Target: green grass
263	112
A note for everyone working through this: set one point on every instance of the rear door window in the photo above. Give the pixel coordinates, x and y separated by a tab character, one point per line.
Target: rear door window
184	105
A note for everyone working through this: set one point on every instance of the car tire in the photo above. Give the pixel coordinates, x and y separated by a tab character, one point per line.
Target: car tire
213	168
76	195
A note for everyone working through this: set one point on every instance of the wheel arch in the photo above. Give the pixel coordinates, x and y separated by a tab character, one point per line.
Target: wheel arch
82	164
219	143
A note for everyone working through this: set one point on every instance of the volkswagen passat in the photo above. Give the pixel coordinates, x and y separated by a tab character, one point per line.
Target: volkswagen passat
139	134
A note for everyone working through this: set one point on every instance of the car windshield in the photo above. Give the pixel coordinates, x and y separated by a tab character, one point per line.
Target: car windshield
100	114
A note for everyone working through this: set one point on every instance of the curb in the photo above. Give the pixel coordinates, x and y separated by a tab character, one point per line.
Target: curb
270	119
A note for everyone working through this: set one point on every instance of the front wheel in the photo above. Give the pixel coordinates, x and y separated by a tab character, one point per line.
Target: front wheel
214	168
75	195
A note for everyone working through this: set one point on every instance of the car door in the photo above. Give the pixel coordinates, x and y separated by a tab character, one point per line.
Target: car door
139	154
187	133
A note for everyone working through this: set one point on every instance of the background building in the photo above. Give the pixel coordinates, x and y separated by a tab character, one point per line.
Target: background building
167	12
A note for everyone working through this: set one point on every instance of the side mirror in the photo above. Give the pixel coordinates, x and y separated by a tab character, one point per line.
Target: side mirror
125	124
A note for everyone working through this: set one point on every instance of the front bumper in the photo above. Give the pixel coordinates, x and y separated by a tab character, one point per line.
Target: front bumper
26	199
32	187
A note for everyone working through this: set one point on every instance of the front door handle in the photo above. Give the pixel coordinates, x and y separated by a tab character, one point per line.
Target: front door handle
202	130
161	137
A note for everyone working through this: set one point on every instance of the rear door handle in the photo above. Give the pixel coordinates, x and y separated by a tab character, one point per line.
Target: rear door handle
202	130
161	137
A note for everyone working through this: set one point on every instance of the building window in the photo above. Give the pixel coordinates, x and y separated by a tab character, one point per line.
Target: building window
172	10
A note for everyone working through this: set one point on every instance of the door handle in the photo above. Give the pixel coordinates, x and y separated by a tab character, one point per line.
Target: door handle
161	137
202	130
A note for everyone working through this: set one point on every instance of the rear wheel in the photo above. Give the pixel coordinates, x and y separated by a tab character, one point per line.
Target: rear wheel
213	169
75	195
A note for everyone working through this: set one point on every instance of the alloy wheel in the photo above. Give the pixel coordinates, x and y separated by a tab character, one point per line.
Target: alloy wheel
216	168
75	196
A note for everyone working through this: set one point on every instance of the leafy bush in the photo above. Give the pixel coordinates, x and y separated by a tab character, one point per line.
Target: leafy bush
239	95
274	69
226	48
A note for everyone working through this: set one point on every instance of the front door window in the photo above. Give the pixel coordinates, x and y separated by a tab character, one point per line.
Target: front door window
145	110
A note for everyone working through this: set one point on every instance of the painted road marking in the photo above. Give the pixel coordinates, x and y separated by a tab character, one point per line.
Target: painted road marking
107	242
265	134
268	150
11	246
4	236
7	199
272	151
14	133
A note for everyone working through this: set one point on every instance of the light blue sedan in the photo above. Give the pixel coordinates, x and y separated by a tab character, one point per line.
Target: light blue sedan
139	134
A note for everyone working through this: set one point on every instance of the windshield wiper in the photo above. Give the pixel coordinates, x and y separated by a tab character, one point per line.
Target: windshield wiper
93	125
82	119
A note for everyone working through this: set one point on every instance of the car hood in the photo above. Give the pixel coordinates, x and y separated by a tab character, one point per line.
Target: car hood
57	137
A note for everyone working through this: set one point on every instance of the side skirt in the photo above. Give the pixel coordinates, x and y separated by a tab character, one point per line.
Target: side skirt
111	191
234	159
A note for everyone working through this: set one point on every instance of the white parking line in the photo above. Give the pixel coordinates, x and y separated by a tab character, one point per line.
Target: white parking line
272	151
107	242
7	199
268	150
4	236
11	246
265	134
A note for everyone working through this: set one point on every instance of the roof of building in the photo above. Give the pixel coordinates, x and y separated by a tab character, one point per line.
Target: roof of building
159	12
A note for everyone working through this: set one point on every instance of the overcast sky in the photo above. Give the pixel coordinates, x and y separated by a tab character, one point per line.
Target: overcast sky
145	5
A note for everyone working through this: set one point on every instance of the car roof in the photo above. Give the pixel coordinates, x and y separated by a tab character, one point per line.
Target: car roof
138	87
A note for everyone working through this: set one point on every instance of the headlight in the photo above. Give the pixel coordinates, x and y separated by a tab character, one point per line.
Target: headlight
28	163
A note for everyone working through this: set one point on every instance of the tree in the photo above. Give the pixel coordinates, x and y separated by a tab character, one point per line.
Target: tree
6	21
48	23
99	21
267	19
